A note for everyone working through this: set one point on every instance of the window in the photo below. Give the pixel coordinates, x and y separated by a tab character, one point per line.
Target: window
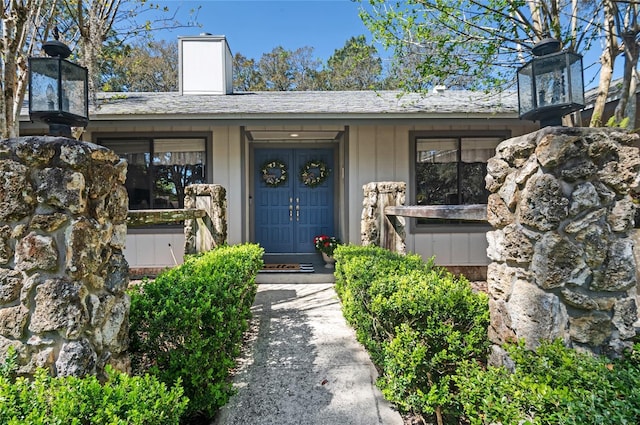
451	170
160	169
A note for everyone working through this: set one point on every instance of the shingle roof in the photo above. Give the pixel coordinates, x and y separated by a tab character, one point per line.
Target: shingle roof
317	103
614	93
301	104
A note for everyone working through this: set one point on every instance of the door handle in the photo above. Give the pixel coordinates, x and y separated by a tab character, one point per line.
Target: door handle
290	212
297	212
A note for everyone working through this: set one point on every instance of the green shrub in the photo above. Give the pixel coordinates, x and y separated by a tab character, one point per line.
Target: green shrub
122	400
188	323
417	320
357	269
554	385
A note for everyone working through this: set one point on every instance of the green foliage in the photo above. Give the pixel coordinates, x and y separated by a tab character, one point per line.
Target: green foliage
471	44
139	67
356	269
554	385
356	66
121	400
284	70
426	331
246	75
9	366
188	323
417	320
613	122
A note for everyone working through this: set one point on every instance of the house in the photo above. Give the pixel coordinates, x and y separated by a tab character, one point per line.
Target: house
294	163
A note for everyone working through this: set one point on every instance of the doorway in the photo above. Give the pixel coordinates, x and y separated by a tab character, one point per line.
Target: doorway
294	197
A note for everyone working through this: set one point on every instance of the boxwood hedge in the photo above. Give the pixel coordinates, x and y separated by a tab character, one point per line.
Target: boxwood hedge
121	400
418	321
426	331
188	323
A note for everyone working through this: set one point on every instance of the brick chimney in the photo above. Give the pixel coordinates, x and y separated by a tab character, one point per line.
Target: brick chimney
206	65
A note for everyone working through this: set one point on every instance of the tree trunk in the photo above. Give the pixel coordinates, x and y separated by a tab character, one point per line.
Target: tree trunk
20	24
630	63
630	111
607	60
606	72
9	75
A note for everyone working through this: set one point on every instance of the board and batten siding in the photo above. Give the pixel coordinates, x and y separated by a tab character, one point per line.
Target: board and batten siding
227	164
154	250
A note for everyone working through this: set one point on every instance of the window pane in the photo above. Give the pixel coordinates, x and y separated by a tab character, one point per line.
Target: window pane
177	163
475	154
138	183
437	172
451	171
158	180
478	149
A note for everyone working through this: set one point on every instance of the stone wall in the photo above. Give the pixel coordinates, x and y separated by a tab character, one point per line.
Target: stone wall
375	227
209	231
63	211
562	254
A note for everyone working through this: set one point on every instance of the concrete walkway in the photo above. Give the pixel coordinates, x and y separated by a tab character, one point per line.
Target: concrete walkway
303	365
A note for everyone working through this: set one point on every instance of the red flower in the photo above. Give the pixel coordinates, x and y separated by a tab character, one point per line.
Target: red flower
326	244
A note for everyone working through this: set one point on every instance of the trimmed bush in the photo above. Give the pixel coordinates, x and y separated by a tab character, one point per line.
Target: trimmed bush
121	400
554	385
418	322
188	323
426	331
357	269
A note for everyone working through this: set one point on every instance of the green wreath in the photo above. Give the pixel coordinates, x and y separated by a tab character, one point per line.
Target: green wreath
314	173
274	179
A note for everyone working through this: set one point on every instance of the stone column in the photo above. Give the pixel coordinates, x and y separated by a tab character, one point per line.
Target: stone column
63	211
210	231
562	254
376	228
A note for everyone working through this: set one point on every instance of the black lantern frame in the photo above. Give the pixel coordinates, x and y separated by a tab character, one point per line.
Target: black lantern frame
58	90
550	86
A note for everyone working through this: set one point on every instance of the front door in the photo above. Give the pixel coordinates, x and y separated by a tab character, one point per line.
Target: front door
293	198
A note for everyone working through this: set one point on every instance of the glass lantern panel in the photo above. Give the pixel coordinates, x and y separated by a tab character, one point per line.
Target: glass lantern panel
74	89
44	85
552	83
525	89
577	83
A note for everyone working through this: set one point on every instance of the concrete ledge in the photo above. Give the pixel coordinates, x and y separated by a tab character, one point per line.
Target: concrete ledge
294	278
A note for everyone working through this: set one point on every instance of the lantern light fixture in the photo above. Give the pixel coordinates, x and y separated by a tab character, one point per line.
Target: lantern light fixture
551	84
58	89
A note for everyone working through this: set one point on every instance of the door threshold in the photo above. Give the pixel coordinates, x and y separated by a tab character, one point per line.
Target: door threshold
321	274
314	258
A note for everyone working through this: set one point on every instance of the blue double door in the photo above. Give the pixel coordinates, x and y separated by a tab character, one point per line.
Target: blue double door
289	214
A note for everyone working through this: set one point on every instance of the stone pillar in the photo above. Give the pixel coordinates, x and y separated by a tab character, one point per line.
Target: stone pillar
210	231
636	255
562	254
376	228
62	272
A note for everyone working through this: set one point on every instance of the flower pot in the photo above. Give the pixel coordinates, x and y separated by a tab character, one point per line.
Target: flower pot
329	261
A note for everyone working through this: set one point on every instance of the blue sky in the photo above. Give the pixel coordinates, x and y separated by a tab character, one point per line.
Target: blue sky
256	27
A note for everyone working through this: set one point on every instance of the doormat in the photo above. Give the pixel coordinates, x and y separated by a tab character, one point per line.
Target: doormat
288	268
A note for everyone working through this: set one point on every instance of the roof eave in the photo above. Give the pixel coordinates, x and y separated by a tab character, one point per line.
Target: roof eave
294	116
